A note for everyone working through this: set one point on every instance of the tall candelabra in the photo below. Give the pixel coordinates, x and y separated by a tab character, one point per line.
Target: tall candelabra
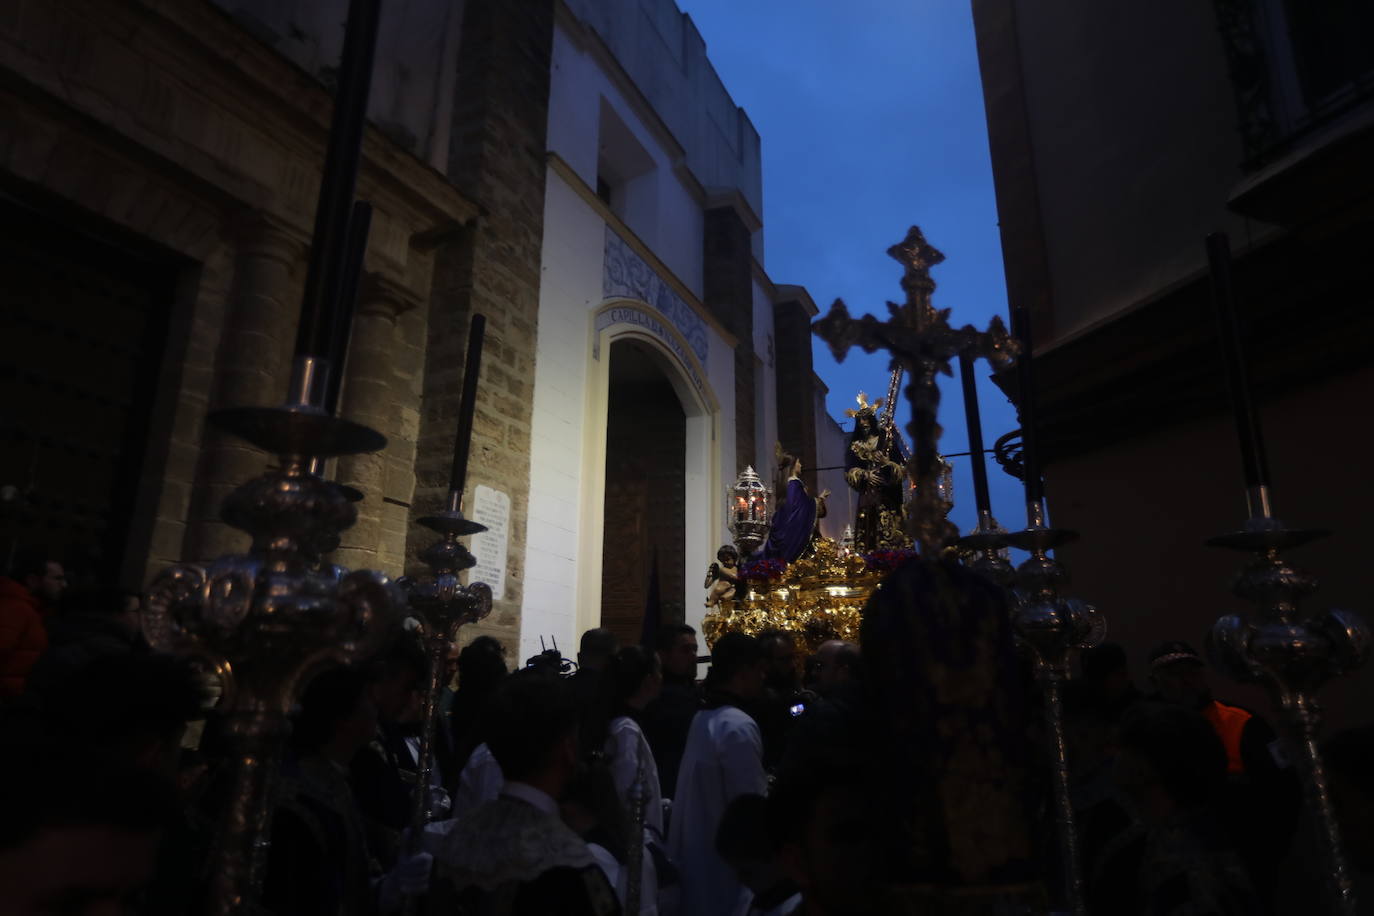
984	550
1293	653
1049	625
269	619
443	605
439	600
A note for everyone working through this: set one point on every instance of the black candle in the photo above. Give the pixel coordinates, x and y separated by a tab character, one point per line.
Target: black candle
457	478
1228	328
358	226
320	307
975	437
1025	375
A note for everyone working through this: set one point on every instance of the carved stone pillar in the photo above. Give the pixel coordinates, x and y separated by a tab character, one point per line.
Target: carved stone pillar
381	389
251	369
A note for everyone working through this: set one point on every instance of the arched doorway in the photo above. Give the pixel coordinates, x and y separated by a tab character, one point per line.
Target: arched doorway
644	533
668	471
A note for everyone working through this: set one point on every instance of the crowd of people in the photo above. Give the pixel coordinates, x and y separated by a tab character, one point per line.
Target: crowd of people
616	781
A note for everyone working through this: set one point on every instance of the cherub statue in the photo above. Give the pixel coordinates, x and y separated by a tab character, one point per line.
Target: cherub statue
723	576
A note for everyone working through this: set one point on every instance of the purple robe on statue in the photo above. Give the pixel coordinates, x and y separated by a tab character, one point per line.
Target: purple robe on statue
792	525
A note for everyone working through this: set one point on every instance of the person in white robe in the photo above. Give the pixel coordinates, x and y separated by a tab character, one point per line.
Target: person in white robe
631	681
723	760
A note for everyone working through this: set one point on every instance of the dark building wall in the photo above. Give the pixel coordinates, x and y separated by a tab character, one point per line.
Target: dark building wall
796	386
497	158
728	291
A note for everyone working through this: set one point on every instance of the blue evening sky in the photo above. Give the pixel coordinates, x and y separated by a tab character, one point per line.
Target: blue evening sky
871	115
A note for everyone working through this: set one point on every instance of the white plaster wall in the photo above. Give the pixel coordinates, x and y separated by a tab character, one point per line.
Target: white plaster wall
570	287
830	452
563	540
674	226
662	51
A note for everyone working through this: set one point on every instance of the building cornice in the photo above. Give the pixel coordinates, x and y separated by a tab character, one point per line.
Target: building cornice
246	81
787	292
560	167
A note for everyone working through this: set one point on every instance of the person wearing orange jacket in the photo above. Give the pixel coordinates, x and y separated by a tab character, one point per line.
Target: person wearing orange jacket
34	585
1262	795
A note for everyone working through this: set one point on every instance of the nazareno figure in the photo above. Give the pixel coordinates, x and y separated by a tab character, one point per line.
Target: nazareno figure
874	468
794	522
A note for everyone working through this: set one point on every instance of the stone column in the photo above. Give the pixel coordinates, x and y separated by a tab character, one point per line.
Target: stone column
728	291
251	369
379	390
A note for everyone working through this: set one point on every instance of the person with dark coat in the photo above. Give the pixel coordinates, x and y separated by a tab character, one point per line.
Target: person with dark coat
318	862
383	773
34	585
514	855
668	718
90	624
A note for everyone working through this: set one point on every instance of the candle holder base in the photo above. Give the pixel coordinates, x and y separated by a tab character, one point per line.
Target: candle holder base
298	430
1040	538
451	522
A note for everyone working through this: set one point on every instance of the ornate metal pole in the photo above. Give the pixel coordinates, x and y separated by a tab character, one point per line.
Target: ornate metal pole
1049	625
441	603
1291	652
270	619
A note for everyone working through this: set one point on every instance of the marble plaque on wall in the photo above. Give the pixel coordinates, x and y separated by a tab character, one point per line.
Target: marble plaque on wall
491	508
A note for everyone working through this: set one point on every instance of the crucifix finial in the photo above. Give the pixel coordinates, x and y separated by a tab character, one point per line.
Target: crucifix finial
917	256
922	342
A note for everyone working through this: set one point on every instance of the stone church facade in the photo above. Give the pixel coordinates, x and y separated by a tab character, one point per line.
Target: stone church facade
158	170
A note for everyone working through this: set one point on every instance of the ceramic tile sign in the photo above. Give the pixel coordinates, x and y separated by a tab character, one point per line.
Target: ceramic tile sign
491	508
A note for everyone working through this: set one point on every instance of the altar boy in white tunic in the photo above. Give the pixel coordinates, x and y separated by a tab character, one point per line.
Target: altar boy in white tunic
723	760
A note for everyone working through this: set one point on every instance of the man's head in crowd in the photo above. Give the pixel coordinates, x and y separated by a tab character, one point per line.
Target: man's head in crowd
1169	759
737	666
745	842
337	717
780	649
398	681
837	663
1179	675
677	652
130	706
481	665
37	570
121	605
531	729
632	678
596	649
823	828
80	833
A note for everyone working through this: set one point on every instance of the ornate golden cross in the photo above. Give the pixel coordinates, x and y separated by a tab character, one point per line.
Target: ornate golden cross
922	342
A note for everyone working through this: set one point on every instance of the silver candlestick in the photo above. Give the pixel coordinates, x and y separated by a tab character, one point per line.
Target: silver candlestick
267	621
443	605
1051	627
1293	654
984	551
